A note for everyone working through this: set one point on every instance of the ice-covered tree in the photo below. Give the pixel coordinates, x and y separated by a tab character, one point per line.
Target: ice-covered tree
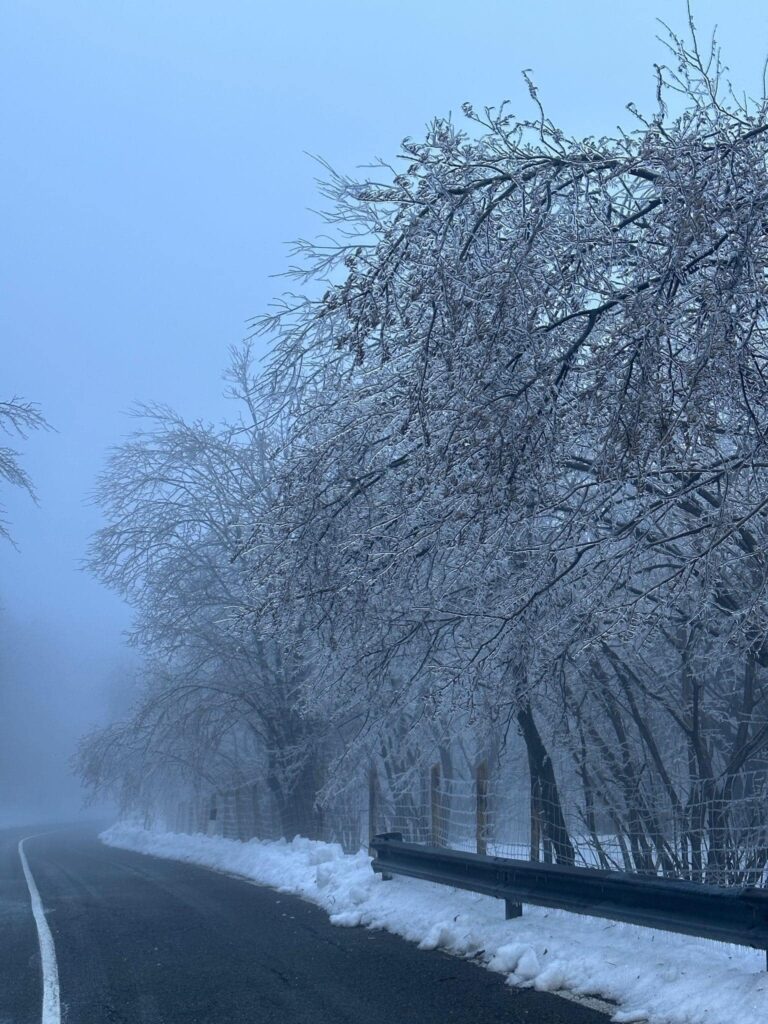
533	377
17	419
179	500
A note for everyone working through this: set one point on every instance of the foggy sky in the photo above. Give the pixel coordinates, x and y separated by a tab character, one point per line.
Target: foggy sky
152	166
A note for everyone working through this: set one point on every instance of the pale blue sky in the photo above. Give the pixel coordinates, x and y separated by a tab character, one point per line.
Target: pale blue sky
152	166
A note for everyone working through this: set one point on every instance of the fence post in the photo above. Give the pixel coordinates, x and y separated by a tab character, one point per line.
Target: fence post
535	821
229	824
434	806
374	796
241	816
481	807
258	828
373	802
215	806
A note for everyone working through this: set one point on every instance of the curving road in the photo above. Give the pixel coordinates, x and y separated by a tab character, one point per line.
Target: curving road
145	941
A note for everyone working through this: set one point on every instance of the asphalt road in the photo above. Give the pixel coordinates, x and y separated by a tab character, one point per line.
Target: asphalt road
147	941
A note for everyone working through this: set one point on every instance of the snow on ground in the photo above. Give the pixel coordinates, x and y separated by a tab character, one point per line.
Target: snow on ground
650	975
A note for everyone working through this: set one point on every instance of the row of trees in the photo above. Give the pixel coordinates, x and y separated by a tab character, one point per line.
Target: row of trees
503	473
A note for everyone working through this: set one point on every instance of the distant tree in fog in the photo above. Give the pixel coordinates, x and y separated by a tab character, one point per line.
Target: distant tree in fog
17	419
219	704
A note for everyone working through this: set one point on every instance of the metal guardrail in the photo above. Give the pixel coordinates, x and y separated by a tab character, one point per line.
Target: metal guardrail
738	915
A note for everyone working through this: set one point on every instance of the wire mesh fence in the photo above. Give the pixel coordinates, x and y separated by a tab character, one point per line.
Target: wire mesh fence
718	835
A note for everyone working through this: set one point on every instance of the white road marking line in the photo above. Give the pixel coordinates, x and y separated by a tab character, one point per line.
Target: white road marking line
51	1005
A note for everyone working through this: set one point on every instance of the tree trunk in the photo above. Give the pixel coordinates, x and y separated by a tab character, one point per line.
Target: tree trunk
543	775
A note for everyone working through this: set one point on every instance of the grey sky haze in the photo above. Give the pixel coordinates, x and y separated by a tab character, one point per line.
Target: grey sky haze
152	166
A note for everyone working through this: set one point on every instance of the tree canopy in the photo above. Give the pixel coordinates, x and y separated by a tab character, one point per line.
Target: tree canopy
505	465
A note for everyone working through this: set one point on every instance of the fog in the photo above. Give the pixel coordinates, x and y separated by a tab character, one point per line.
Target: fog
154	166
42	668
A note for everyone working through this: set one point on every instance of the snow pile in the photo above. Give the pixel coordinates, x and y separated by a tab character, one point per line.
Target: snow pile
653	976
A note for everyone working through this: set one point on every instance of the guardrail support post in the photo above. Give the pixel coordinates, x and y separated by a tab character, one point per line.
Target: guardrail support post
512	909
398	838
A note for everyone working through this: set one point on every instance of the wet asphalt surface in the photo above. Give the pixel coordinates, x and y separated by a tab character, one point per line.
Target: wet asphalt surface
146	941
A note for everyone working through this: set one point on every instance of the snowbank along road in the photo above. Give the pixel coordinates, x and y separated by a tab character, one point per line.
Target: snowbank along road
138	939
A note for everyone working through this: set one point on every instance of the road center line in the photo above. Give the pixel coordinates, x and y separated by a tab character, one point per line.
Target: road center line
51	1004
